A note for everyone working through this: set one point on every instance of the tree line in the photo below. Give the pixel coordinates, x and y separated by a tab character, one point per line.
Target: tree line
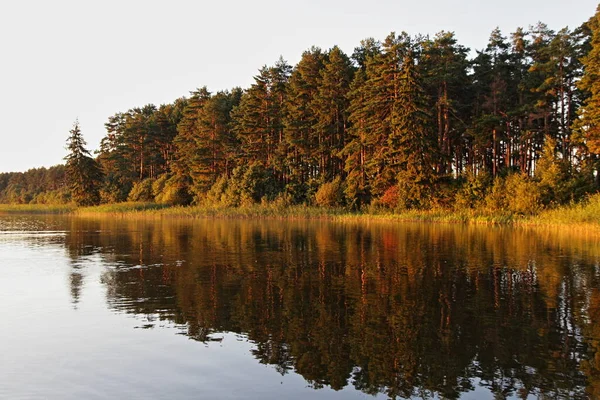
406	122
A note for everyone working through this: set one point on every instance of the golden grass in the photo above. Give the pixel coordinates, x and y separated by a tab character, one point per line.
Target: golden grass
584	215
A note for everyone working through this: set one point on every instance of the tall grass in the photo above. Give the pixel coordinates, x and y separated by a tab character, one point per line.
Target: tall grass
250	211
584	214
437	215
36	208
120	208
274	211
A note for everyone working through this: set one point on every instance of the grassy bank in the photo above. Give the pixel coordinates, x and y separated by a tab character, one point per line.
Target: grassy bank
585	214
252	211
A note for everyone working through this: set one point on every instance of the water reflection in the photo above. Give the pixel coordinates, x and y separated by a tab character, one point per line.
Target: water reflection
407	310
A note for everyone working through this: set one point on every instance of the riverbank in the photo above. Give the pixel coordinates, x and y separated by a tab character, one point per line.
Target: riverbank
584	214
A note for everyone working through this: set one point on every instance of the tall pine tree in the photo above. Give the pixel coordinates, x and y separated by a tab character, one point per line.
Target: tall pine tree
83	172
588	125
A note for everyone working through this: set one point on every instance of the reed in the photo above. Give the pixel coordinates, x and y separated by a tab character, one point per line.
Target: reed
584	215
36	208
120	208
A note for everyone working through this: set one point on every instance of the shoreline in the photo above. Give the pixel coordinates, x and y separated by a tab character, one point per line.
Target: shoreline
581	215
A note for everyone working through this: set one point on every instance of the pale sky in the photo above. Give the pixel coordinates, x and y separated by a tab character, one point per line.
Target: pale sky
67	59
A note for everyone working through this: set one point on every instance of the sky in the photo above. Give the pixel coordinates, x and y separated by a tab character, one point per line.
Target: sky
64	60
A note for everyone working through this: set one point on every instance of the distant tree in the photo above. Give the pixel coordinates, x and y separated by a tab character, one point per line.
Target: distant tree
83	172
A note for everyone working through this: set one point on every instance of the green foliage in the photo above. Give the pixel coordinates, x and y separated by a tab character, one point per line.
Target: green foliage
246	185
524	196
587	125
516	194
412	191
443	68
301	118
553	176
142	191
216	194
62	196
171	190
258	120
139	144
473	190
37	185
205	145
330	194
83	172
114	189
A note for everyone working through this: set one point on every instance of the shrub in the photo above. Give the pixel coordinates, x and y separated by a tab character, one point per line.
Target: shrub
216	193
283	200
330	194
158	186
59	196
523	194
552	174
495	200
473	190
171	190
516	194
114	189
412	192
390	198
247	185
142	191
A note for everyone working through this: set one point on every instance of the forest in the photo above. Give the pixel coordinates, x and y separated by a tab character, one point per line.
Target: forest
407	122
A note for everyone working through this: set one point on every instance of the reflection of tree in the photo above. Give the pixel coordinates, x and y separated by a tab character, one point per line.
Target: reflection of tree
76	283
82	240
407	310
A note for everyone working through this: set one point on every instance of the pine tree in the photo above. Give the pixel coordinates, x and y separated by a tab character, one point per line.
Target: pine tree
305	158
83	172
258	120
588	125
443	66
214	145
331	108
379	106
360	163
491	76
186	148
358	149
412	143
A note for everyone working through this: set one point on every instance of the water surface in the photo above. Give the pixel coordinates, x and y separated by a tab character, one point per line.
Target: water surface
112	308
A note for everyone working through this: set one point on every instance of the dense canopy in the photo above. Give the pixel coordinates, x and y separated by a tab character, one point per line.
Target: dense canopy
406	122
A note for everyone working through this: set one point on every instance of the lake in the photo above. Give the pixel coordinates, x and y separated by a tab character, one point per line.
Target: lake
96	308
